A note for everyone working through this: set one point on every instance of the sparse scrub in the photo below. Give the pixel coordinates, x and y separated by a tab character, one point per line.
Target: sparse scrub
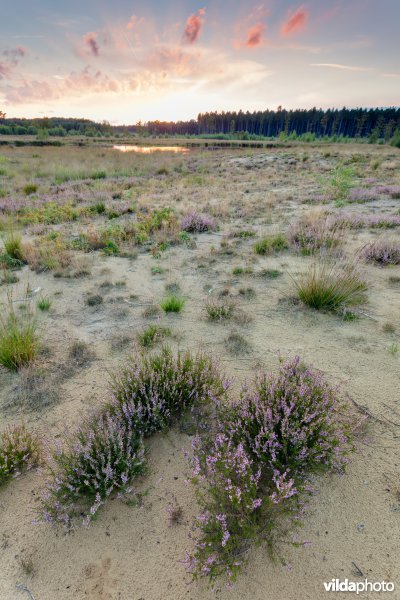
329	287
19	450
94	300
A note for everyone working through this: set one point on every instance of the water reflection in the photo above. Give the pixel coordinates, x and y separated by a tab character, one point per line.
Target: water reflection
151	149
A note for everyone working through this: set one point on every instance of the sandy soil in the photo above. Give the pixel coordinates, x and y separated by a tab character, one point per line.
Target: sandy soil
132	552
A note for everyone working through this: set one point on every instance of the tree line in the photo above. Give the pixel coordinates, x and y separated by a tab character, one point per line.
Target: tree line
372	123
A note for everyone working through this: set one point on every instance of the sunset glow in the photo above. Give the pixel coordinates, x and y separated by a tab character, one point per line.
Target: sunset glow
126	62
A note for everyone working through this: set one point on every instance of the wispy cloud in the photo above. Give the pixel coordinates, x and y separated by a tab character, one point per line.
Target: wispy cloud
134	22
194	25
12	57
339	66
90	43
295	22
255	35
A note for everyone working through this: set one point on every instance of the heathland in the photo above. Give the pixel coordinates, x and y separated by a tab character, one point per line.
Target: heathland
193	344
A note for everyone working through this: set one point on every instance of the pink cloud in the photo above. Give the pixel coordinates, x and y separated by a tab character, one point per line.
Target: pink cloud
255	35
194	25
90	43
12	58
87	81
134	21
295	22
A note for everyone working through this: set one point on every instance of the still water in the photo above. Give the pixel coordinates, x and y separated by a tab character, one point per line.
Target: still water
151	149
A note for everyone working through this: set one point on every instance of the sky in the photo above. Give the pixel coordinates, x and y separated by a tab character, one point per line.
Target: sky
126	61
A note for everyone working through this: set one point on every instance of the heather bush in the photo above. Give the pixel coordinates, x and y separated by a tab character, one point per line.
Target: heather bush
219	311
19	450
98	461
153	391
327	286
255	468
197	223
382	252
314	232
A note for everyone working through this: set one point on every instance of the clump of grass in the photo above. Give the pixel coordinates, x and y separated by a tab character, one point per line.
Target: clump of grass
8	278
19	450
219	311
388	328
270	244
36	388
394	349
269	273
157	270
19	340
13	246
79	353
153	334
30	188
94	300
44	303
237	344
242	271
327	286
172	304
382	252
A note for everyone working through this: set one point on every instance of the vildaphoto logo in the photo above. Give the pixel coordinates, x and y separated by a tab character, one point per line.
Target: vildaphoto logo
336	585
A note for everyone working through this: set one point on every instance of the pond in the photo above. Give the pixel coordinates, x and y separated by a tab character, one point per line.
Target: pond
151	149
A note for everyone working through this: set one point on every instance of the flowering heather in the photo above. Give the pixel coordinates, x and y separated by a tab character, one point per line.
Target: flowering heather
150	393
255	468
19	450
382	252
314	232
373	193
103	456
290	422
356	221
197	223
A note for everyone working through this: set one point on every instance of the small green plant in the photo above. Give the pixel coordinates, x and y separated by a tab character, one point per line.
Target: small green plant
44	303
275	243
94	300
172	304
153	334
157	270
394	349
13	246
219	311
30	188
19	450
242	271
19	341
329	287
